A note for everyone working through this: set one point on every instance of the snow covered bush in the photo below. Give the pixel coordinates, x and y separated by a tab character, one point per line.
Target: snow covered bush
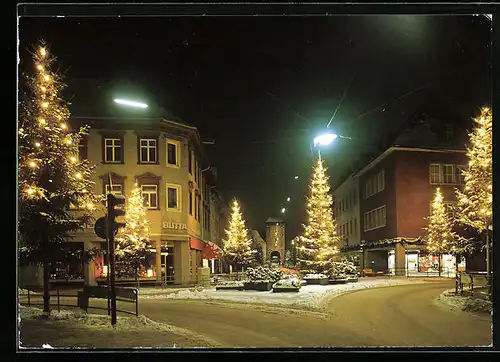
230	283
315	276
342	269
288	283
262	274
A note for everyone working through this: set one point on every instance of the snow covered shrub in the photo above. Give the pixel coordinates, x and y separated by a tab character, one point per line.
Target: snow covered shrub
275	275
262	274
341	269
293	282
315	276
230	283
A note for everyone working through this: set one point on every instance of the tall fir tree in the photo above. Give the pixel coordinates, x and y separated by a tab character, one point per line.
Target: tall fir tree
440	237
132	240
475	202
319	245
51	177
237	248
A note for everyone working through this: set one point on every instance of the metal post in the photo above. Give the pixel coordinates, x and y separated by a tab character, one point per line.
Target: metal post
136	304
58	308
488	271
111	243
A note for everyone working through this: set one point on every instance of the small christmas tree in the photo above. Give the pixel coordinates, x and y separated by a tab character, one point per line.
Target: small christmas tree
51	177
318	247
440	238
131	241
237	248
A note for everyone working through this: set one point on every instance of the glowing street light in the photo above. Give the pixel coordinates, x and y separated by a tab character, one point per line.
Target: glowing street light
324	139
131	103
288	199
283	210
296	177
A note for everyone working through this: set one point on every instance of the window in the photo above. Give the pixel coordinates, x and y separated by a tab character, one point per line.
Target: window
375	219
198	198
173	153
82	150
375	184
190	202
460	176
435	173
195	170
150	196
449	174
147	150
173	197
115	189
113	150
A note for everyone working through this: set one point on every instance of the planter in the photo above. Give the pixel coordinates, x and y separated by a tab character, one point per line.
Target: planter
222	287
322	281
261	286
338	281
286	290
352	279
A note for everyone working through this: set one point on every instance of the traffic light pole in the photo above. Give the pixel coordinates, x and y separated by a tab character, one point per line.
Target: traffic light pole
111	241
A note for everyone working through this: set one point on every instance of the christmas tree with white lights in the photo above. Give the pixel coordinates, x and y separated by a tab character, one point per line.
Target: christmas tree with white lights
440	237
475	202
131	241
318	247
51	177
237	249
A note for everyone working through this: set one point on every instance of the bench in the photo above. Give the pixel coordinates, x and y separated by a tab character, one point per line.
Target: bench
368	272
122	294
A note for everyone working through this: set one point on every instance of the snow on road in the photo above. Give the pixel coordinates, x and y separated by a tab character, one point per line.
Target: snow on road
309	296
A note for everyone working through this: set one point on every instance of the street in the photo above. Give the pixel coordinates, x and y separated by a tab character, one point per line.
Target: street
407	315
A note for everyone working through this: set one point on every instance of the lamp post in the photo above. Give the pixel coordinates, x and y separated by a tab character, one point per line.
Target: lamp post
129	103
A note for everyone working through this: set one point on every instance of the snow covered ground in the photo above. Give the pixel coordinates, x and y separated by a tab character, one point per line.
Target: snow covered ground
466	303
309	296
88	324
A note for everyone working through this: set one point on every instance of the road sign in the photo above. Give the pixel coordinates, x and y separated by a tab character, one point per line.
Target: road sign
100	227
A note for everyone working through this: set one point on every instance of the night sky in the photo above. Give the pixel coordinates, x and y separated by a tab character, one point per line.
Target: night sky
262	87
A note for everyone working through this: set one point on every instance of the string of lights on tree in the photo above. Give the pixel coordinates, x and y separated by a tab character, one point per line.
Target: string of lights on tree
319	245
237	248
48	151
440	237
475	202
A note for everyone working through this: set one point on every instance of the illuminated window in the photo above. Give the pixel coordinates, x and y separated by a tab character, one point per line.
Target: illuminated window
113	150
448	174
173	197
150	196
147	150
116	189
173	148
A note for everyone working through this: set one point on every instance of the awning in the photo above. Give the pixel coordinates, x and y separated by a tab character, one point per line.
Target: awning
209	250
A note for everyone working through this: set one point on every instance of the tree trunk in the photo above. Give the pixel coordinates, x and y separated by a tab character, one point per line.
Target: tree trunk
46	287
439	265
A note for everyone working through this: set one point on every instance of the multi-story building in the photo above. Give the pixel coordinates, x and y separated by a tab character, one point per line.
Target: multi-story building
346	203
168	162
395	191
275	241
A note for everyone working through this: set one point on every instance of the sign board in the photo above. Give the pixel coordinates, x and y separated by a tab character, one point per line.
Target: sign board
100	227
171	225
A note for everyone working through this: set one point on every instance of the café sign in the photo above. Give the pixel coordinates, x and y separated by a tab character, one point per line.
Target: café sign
171	225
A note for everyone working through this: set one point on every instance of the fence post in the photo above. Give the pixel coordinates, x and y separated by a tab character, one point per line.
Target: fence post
136	303
58	305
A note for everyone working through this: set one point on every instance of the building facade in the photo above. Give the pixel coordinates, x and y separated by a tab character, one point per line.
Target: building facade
275	240
168	162
346	210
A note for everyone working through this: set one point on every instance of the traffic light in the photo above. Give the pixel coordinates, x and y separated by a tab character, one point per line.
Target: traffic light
114	212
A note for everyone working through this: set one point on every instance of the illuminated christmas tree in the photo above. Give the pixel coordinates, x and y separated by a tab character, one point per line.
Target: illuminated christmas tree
131	241
440	237
318	247
237	248
51	178
475	202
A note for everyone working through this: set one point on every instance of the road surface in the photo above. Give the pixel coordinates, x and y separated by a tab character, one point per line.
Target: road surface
408	315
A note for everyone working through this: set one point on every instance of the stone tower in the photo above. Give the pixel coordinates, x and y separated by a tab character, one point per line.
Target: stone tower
275	240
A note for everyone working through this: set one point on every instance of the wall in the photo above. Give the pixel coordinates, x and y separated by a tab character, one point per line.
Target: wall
351	212
414	191
385	197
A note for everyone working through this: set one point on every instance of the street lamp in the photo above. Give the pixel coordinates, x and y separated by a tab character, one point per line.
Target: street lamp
283	210
324	139
131	103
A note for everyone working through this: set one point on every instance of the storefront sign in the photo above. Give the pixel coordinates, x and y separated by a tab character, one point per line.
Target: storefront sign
174	225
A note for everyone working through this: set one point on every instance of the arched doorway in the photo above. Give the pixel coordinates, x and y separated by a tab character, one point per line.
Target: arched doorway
275	258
